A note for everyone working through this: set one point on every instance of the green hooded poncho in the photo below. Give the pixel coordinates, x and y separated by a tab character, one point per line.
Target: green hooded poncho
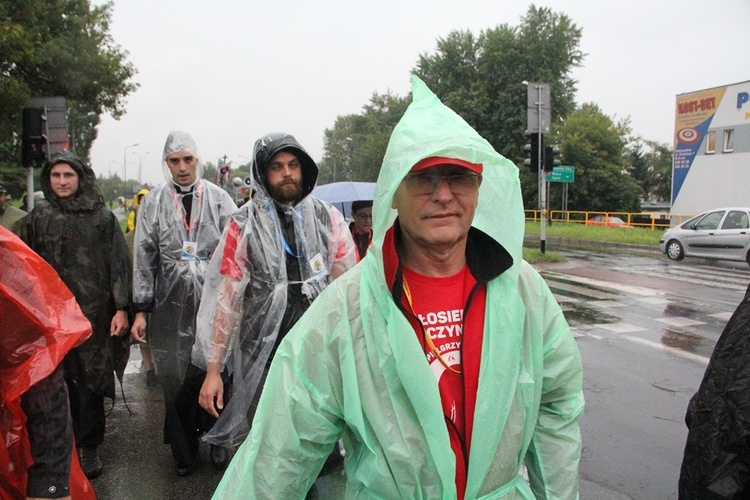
353	368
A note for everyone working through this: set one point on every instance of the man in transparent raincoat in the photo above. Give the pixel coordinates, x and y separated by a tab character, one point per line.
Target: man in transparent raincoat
442	359
280	251
178	228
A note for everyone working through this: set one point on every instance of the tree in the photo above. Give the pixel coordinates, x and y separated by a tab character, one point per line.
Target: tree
659	157
481	77
356	145
58	48
650	165
595	145
638	168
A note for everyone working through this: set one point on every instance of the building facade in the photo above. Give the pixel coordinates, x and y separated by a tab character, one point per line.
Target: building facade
711	163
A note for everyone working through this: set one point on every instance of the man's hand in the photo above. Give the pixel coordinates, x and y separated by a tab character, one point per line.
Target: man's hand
213	389
119	325
139	328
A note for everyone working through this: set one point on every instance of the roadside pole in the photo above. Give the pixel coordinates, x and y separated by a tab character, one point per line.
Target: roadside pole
539	118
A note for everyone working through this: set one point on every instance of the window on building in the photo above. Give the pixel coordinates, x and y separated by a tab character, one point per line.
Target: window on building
728	141
711	142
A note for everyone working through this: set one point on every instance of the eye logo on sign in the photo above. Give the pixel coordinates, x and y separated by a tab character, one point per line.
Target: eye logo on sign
688	136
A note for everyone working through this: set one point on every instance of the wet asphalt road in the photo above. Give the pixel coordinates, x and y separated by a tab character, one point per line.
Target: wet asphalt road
645	327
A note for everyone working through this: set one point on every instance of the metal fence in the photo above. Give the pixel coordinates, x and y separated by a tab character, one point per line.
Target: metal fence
645	220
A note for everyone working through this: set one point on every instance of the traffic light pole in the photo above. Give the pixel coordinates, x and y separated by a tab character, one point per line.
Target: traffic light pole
542	174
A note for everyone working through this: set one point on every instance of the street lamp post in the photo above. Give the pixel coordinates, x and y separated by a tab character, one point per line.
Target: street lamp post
125	167
140	167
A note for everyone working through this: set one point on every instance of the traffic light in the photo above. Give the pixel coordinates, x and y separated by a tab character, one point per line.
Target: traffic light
34	137
532	151
550	162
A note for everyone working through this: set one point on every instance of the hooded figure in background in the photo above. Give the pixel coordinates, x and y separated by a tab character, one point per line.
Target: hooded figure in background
280	251
362	362
82	240
133	213
716	463
178	228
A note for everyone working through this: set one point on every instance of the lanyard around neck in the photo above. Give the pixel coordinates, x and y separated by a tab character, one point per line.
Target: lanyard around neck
427	338
189	225
287	248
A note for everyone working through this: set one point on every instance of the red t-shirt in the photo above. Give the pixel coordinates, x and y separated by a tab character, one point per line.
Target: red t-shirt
439	304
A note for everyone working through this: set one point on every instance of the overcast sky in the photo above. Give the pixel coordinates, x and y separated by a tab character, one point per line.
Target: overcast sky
229	71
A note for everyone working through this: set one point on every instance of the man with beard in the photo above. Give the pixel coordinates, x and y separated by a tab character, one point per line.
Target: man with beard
279	252
81	239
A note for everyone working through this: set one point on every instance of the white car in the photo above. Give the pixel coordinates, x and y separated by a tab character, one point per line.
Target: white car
722	233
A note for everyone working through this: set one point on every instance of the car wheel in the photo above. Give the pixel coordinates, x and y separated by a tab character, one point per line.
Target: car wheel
674	250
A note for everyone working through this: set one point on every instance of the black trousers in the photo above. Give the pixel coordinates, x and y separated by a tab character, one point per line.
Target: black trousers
87	411
50	431
185	421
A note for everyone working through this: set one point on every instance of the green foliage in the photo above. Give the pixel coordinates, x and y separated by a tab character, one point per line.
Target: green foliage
633	236
58	48
595	145
659	158
481	77
112	188
535	256
355	147
650	165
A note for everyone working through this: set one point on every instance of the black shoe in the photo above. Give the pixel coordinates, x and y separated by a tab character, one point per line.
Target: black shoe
185	469
219	457
90	463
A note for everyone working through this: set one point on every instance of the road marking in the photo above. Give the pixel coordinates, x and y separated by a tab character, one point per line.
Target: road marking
677	352
725	316
654	301
580	290
632	289
620	327
606	304
678	321
713	277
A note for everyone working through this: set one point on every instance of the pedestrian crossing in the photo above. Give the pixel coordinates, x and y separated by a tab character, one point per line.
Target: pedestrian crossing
650	316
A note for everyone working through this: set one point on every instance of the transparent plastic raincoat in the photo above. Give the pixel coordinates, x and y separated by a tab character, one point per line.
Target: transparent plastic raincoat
353	367
167	280
250	302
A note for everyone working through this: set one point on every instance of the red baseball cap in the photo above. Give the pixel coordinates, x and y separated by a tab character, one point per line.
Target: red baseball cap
434	161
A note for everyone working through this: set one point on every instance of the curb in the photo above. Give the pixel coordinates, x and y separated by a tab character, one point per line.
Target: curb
532	241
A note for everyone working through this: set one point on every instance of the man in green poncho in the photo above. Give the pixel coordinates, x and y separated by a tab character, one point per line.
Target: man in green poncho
442	359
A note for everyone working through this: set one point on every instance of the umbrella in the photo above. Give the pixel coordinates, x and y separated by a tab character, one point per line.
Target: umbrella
342	194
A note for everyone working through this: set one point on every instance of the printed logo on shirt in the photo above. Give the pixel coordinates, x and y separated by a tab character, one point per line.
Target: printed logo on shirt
445	329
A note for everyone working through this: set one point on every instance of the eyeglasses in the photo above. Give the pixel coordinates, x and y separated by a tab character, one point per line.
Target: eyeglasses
363	216
424	183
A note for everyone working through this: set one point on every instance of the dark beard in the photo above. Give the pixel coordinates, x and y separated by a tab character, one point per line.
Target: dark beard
286	194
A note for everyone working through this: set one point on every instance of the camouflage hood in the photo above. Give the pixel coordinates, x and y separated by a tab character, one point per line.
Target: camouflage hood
87	198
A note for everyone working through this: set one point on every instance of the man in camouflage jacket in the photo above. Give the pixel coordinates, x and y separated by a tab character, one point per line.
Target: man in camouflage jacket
83	242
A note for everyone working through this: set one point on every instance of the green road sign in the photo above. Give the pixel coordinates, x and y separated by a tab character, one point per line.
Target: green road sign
562	173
